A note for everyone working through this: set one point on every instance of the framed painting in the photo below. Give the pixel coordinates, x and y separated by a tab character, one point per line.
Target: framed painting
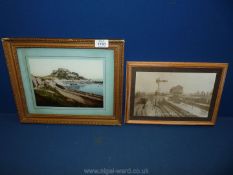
67	81
174	92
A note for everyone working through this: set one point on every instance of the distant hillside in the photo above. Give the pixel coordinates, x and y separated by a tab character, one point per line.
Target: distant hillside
62	73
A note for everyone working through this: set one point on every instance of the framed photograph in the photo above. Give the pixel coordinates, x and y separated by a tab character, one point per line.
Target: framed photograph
174	92
67	81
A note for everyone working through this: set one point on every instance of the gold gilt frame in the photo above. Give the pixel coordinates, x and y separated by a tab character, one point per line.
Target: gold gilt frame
10	48
137	105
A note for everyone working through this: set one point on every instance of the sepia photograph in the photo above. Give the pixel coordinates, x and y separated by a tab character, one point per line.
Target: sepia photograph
173	94
67	82
182	93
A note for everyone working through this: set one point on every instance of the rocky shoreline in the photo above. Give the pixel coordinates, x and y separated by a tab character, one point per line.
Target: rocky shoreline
53	91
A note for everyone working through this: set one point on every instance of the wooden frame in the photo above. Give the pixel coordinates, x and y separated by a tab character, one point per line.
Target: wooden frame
180	102
103	112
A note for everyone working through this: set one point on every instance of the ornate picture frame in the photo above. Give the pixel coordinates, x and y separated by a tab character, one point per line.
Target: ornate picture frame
178	93
66	81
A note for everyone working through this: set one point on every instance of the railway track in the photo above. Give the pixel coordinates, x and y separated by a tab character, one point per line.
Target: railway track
162	109
173	111
169	111
201	106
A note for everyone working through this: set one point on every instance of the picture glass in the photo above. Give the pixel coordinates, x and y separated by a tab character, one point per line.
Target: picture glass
68	81
173	94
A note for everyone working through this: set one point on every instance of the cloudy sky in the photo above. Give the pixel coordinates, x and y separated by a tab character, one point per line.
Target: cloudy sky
191	82
92	69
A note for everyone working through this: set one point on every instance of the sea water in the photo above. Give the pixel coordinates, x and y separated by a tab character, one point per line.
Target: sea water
94	88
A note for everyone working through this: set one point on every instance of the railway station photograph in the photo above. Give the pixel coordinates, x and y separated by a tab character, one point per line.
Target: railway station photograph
173	94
